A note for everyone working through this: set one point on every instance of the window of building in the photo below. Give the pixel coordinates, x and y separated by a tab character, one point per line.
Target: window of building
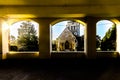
24	36
67	36
106	36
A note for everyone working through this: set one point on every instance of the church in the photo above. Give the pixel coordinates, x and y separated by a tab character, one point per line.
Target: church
67	40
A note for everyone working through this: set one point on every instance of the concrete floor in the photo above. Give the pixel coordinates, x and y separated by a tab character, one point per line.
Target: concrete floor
60	69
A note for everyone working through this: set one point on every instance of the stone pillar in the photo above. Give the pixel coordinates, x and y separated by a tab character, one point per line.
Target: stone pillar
90	37
44	38
0	39
117	22
5	40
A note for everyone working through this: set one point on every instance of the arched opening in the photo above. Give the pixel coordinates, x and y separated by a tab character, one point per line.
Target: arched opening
20	37
67	36
24	36
106	36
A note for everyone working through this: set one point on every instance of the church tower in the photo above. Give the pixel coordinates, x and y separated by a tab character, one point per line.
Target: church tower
74	27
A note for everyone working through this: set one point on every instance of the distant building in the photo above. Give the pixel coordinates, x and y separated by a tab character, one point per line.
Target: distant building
67	40
74	27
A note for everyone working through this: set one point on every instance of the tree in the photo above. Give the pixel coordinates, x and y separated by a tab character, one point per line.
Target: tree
98	42
13	43
108	42
12	40
27	39
80	43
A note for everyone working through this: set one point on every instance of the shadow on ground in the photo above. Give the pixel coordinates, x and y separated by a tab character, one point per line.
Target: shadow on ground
60	69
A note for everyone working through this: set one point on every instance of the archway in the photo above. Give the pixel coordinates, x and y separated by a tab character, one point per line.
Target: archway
67	45
24	36
70	30
11	34
106	36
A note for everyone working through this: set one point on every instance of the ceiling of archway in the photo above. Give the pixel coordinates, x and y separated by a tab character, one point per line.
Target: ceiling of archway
59	8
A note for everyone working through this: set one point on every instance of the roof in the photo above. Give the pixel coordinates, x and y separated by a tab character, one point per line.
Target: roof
66	35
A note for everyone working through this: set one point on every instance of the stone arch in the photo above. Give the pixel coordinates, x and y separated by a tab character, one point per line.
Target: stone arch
60	20
5	33
14	20
21	28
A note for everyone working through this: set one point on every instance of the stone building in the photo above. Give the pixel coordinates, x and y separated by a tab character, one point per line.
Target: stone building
74	27
67	40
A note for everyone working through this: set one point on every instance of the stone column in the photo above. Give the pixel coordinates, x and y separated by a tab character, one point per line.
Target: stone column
0	39
117	22
44	38
90	37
